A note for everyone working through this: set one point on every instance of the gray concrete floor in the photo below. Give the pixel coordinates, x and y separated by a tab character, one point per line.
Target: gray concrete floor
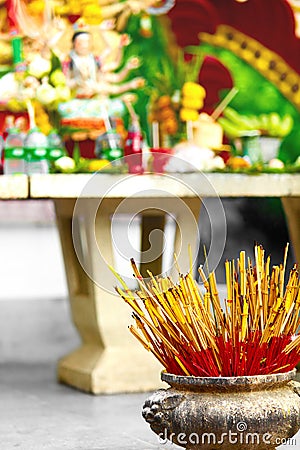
36	413
39	414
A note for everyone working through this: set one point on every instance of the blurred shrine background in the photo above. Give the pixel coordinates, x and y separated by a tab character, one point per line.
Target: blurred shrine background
251	45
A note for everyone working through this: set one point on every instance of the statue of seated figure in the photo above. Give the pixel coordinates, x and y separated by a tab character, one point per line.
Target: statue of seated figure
92	79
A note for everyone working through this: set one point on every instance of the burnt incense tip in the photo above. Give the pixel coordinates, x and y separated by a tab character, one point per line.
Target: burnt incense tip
136	316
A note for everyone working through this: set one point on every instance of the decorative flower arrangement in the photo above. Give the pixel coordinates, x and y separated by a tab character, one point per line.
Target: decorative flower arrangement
164	111
39	81
177	97
191	333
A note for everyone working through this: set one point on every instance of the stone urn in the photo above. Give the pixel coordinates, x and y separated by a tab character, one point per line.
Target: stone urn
247	412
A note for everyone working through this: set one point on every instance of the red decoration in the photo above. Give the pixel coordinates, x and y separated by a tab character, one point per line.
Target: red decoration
11	16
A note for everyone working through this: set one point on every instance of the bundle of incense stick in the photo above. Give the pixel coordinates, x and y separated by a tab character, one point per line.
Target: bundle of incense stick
190	332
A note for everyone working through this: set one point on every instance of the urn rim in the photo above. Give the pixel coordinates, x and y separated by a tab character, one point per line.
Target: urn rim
248	381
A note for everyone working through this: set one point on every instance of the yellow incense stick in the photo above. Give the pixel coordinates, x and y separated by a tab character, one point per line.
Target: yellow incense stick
172	316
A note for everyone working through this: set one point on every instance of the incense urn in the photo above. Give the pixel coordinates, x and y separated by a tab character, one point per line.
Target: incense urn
208	413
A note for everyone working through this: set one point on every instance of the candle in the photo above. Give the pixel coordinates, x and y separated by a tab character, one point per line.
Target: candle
155	135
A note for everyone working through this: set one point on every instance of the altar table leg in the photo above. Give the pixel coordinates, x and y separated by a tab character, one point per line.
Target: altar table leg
110	359
291	207
187	234
186	215
149	223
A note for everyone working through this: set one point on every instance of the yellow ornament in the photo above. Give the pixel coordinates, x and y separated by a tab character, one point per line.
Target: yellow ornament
14	105
192	102
92	14
188	115
36	7
193	89
84	3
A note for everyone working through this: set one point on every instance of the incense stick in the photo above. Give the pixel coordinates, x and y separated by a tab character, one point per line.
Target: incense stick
225	102
190	334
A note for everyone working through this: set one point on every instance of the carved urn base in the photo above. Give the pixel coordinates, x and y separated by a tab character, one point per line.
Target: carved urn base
251	412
